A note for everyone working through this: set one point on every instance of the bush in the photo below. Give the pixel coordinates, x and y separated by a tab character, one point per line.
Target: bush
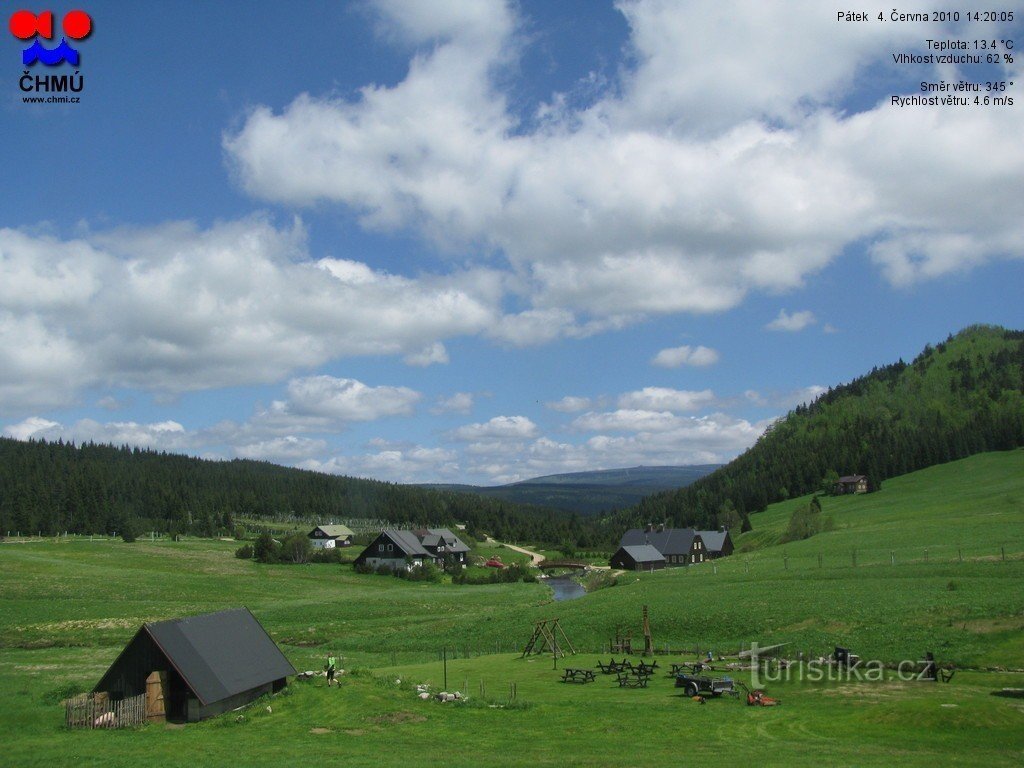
327	555
266	550
428	572
297	549
244	552
363	568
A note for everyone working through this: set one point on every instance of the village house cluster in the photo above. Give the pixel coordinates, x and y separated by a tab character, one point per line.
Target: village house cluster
655	547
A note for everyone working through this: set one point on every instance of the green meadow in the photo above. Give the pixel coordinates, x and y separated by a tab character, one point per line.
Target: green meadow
933	562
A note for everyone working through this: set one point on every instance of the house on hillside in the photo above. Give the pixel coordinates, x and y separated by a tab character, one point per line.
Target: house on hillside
679	546
443	544
330	536
851	484
396	549
198	667
641	557
717	543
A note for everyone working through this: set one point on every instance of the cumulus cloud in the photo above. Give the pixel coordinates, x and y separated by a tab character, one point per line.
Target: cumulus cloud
498	428
570	404
460	402
163	435
791	322
698	357
34	427
320	403
286	450
174	308
435	353
401	464
664	398
586	206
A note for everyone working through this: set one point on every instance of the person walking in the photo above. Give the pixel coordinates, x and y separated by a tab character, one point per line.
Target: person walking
332	664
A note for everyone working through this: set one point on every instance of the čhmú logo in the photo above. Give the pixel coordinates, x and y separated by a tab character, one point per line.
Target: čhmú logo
24	25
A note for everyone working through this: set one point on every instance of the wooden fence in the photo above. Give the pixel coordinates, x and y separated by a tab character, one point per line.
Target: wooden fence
95	710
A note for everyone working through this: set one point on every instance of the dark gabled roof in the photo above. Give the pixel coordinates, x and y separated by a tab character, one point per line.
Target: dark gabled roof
643	553
670	541
334	531
220	654
714	541
407	542
452	542
852	478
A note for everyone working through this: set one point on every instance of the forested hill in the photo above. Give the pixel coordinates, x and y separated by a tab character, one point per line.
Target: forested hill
961	397
51	487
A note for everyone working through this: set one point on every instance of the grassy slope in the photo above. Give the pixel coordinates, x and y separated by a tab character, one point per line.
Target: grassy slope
67	609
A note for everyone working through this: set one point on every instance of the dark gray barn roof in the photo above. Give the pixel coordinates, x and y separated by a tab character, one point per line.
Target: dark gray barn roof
713	540
643	553
670	541
407	542
434	536
220	654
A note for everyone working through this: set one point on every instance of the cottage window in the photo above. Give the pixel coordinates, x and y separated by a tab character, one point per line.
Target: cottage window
391	547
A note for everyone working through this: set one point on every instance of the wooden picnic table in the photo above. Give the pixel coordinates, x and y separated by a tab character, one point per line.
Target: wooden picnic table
613	667
571	675
633	679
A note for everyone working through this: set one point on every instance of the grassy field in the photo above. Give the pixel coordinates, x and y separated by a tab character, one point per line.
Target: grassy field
66	609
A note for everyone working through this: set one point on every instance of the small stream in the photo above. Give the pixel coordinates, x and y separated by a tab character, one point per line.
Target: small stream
565	588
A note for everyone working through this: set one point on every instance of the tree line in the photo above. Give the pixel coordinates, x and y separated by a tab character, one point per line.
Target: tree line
53	487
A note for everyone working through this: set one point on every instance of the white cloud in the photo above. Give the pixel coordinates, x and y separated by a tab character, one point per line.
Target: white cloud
570	404
163	435
174	308
435	353
34	427
460	402
287	449
328	400
586	206
791	322
674	357
498	428
664	398
400	464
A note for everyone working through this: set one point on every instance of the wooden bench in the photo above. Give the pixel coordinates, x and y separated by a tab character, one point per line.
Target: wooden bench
646	669
570	675
613	667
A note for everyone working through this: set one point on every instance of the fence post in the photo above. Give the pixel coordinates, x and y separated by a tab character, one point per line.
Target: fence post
892	557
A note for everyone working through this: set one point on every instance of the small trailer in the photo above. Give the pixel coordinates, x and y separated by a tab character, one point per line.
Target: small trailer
704	685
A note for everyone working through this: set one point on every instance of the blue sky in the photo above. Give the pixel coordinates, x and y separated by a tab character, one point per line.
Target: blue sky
485	241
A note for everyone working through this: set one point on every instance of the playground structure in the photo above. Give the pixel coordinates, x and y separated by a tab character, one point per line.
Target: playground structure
545	637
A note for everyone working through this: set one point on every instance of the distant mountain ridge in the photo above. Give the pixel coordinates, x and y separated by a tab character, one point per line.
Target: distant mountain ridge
591	492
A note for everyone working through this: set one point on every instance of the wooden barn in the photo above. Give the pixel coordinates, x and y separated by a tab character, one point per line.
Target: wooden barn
717	543
679	546
198	667
641	557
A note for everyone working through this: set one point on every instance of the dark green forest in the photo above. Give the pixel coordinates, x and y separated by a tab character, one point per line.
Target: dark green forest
55	487
960	397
